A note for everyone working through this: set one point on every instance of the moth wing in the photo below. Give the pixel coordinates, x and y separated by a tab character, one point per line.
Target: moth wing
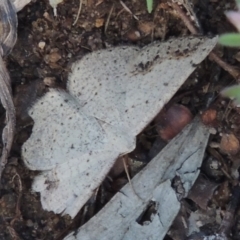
157	72
99	82
60	132
68	186
74	151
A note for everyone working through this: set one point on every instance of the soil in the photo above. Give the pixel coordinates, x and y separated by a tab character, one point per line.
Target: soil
45	49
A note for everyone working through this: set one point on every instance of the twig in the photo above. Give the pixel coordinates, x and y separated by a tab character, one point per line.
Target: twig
13	233
185	18
128	10
129	179
108	19
227	67
17	216
126	171
79	11
18	212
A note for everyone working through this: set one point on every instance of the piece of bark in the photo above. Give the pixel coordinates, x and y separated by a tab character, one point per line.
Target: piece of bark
182	157
202	191
20	4
8	37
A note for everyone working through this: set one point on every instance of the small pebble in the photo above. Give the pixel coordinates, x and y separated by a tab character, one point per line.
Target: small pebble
41	45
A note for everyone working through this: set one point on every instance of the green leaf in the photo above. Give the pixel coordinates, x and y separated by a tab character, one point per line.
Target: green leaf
232	92
230	39
149	5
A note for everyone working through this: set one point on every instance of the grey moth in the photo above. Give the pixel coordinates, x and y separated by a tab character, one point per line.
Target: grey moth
111	96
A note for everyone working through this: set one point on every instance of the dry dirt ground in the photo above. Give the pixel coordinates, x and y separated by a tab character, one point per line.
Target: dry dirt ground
40	59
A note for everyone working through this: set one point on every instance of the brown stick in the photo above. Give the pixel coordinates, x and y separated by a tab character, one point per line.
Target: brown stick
227	67
185	18
235	73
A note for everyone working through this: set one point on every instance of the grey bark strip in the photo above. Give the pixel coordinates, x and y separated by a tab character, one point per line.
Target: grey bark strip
8	37
20	4
8	26
181	158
